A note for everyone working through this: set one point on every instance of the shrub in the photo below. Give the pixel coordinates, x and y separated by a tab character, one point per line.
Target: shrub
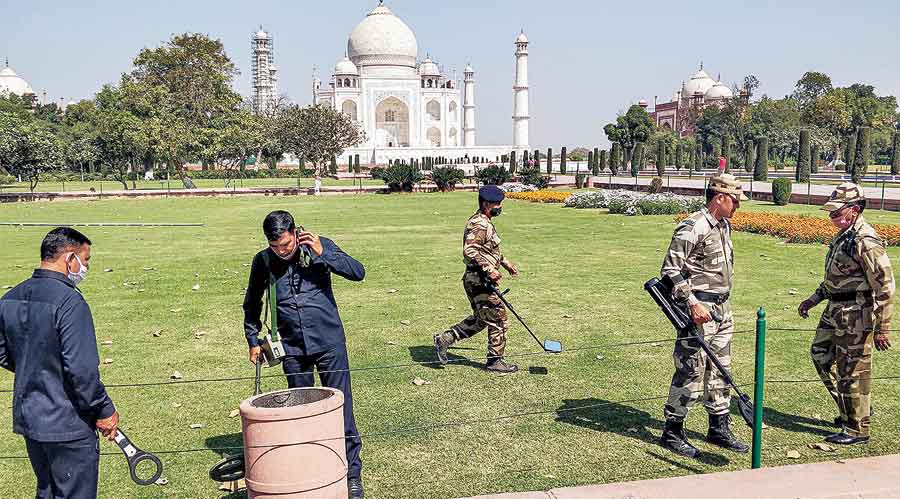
579	181
562	161
863	156
541	196
446	177
667	204
493	175
7	179
895	155
800	228
656	185
400	177
517	187
801	173
377	172
532	176
781	191
614	157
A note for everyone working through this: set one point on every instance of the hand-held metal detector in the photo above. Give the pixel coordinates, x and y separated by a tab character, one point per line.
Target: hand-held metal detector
678	315
270	344
549	346
135	456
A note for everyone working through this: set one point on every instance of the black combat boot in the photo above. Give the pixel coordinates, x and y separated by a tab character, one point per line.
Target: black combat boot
441	344
844	438
355	488
720	434
674	439
498	365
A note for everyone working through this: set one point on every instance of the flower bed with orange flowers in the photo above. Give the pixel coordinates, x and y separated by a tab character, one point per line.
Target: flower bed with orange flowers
540	196
799	228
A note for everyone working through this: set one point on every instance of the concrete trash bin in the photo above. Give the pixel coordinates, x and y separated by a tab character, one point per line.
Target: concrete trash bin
294	444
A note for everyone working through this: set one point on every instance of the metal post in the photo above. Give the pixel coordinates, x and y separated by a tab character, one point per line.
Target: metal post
759	378
669	182
883	181
610	180
808	191
635	183
751	188
101	189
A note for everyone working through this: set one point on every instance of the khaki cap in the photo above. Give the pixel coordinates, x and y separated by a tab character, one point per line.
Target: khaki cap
727	183
846	193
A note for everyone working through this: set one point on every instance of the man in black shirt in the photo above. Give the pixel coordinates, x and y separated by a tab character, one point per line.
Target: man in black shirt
310	328
47	339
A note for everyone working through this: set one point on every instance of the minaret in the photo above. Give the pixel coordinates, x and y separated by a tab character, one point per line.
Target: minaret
264	84
520	90
316	84
469	106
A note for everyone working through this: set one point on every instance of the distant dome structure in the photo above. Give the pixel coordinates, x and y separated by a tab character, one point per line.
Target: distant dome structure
699	83
345	67
719	91
11	83
382	39
429	68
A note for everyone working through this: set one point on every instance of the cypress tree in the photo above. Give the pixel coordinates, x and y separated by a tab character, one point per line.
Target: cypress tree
512	161
590	161
895	155
679	156
604	158
863	156
801	174
596	158
562	161
356	168
536	156
637	158
614	158
850	151
814	159
698	157
524	159
595	166
660	155
749	149
761	172
726	152
549	161
332	168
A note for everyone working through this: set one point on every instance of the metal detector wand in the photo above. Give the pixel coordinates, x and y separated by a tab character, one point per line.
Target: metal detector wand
135	456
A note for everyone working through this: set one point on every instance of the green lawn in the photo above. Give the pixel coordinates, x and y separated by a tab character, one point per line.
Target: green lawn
581	280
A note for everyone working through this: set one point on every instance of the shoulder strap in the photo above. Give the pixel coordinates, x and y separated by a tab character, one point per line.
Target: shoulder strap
271	299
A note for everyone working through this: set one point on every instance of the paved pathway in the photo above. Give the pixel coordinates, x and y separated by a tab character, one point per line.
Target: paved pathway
865	478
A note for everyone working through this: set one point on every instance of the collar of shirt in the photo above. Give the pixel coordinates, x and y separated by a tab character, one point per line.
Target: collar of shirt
52	274
712	220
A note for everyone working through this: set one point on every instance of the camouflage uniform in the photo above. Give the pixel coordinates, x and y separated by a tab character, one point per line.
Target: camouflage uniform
859	287
481	254
701	249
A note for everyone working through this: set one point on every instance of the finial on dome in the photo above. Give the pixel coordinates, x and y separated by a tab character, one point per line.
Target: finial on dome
701	64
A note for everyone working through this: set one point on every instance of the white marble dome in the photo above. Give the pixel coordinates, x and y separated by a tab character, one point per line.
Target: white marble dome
11	83
719	91
429	68
345	67
700	82
382	39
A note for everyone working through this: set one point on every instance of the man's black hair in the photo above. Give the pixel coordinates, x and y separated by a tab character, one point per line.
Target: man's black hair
277	223
710	194
61	239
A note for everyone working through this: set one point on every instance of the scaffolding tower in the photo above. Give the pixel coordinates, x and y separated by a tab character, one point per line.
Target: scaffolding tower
264	80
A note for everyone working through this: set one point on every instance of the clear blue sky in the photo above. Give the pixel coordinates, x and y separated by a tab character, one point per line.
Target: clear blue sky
588	59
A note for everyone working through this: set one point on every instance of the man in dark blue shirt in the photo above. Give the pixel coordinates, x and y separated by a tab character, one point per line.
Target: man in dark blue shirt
306	314
47	339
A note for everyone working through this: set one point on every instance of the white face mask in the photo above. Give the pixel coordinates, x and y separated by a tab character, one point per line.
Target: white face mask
78	276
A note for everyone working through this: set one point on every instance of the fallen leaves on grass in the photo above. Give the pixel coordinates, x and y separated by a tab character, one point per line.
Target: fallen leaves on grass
793	454
420	382
176	375
820	446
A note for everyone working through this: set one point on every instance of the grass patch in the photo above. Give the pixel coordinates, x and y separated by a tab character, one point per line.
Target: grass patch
582	272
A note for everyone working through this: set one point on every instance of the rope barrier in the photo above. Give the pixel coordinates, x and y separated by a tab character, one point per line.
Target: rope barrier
399	366
410	429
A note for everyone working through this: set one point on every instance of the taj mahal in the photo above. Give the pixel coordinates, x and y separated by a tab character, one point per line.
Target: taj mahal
410	108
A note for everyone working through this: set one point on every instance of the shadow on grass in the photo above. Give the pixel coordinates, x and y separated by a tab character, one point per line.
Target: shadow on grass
606	416
230	445
795	423
426	355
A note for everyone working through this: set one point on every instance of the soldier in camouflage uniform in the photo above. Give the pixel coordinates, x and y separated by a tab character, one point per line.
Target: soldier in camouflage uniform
481	254
859	287
700	263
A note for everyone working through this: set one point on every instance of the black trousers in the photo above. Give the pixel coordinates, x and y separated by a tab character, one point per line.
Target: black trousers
65	470
299	369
